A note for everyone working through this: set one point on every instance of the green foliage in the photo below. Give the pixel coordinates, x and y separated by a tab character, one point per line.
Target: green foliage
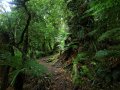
107	53
13	61
30	67
47	30
47	27
93	31
34	68
80	70
101	54
48	24
80	57
75	76
110	35
99	45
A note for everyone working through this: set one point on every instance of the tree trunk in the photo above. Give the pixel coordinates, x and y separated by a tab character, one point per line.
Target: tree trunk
19	82
24	38
5	79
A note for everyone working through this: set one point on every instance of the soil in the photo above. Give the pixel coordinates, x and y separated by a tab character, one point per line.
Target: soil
61	78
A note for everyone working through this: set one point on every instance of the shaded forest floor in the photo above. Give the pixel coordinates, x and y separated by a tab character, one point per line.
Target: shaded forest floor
59	78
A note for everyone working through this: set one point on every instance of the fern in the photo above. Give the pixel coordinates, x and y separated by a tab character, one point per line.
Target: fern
107	53
75	74
31	67
110	34
81	57
101	54
14	74
13	61
34	68
115	47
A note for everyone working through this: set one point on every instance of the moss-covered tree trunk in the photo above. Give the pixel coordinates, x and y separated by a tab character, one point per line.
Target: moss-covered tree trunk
24	39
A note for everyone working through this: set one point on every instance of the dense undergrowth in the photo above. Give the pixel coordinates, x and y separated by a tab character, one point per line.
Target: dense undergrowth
95	37
85	34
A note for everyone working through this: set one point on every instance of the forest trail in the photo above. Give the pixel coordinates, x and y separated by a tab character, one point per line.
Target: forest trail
61	79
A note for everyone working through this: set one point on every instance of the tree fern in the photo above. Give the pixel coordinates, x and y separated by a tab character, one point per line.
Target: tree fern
30	67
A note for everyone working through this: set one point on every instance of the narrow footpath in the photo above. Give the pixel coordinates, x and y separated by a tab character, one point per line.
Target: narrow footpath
61	79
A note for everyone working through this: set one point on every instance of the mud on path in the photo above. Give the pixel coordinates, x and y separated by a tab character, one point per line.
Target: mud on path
61	79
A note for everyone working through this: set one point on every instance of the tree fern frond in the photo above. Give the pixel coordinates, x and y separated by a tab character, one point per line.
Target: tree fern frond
107	53
109	34
34	68
14	74
101	54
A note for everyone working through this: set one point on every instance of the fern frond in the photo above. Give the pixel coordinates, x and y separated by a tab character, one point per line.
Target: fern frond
110	34
34	68
107	53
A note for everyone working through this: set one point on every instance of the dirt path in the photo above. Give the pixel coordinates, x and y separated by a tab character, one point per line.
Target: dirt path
61	79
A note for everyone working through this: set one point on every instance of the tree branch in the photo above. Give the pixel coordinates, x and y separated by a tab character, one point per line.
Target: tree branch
27	24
